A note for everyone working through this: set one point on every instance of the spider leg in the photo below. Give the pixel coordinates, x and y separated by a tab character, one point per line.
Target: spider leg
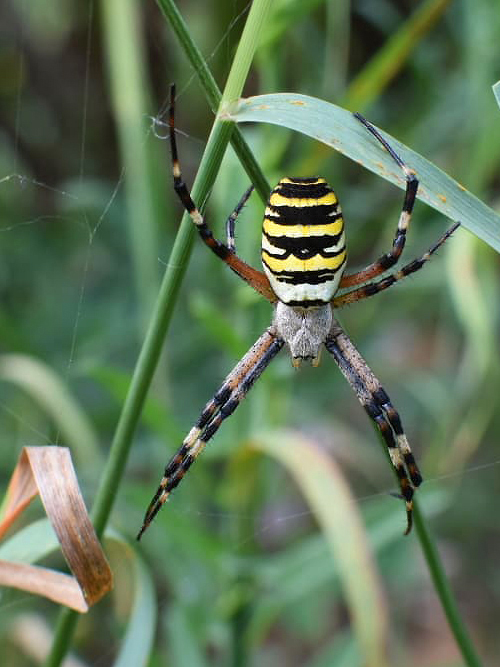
230	222
379	408
390	258
254	278
232	391
378	286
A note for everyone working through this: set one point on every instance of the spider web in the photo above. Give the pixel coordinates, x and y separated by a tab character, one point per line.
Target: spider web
69	250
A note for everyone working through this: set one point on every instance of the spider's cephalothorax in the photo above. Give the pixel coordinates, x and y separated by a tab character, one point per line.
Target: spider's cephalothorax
304	256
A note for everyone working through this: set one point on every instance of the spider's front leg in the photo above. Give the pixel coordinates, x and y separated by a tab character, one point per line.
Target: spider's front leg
380	409
232	391
390	258
254	278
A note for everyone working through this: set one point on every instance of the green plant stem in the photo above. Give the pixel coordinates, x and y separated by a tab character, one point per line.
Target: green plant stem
151	349
443	590
214	95
145	367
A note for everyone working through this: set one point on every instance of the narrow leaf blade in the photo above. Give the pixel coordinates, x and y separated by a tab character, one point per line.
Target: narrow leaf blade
338	128
334	508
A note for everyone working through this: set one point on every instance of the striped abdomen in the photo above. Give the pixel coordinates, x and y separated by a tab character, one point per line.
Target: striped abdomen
303	242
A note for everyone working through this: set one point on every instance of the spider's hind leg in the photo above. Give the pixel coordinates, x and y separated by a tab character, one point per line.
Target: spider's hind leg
394	420
224	402
379	408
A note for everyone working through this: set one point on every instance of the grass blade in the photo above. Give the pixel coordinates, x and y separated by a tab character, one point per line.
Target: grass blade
496	92
335	510
138	640
338	128
443	590
213	94
53	395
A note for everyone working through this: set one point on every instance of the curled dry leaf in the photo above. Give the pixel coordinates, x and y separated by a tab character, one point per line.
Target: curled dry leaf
49	471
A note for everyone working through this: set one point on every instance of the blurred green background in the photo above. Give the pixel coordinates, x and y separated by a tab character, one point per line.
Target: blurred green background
241	570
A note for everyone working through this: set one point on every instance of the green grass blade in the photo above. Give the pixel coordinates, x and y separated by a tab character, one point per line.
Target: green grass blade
53	395
139	635
151	349
443	590
496	92
213	94
335	509
176	266
338	128
31	543
247	46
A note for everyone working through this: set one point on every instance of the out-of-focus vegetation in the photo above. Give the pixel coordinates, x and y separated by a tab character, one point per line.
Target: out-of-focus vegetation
240	562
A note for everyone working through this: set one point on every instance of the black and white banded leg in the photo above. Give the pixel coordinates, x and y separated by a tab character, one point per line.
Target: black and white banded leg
370	289
231	221
390	258
225	401
254	278
379	408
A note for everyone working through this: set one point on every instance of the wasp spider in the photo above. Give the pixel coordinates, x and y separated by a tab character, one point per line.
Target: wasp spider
304	257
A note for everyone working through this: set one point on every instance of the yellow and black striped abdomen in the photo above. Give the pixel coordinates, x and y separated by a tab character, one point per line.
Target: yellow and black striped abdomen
303	242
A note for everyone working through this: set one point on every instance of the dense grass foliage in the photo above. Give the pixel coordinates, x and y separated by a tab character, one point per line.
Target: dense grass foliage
252	562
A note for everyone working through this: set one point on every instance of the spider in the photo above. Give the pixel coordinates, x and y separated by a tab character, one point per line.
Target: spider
304	256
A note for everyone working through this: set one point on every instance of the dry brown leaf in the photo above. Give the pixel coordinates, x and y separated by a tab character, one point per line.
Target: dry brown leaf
49	472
